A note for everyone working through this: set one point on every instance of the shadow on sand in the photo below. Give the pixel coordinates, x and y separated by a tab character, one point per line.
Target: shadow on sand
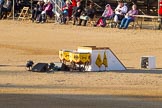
146	71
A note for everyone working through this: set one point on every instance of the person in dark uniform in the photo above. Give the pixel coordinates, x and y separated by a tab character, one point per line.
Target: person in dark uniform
77	12
87	14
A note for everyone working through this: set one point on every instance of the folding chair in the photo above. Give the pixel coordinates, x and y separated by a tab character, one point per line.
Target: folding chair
135	24
48	18
24	14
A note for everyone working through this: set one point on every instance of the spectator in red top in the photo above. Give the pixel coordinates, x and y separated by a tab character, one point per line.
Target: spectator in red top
66	12
160	13
160	8
74	3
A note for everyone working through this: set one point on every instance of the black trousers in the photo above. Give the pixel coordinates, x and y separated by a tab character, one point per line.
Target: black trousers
1	11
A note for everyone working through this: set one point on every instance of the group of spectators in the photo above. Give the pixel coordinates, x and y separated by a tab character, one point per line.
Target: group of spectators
75	11
6	7
121	16
41	10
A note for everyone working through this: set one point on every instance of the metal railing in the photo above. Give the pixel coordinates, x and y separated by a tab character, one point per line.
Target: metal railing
58	4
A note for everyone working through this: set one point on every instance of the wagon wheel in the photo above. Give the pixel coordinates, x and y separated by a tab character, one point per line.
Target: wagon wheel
86	64
84	67
81	68
73	66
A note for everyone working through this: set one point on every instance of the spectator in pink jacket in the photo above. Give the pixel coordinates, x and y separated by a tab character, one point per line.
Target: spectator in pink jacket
107	14
47	10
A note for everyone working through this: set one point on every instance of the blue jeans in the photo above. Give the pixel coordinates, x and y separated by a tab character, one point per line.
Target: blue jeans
125	22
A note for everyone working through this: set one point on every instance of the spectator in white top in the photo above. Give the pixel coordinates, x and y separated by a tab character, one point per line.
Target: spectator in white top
120	11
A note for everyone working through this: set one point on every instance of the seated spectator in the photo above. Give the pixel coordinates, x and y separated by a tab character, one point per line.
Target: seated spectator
128	17
87	14
47	10
7	7
107	14
36	12
17	7
77	12
120	11
1	6
66	12
74	3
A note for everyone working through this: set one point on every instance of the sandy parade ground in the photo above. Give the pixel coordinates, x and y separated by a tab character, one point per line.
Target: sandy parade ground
23	41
